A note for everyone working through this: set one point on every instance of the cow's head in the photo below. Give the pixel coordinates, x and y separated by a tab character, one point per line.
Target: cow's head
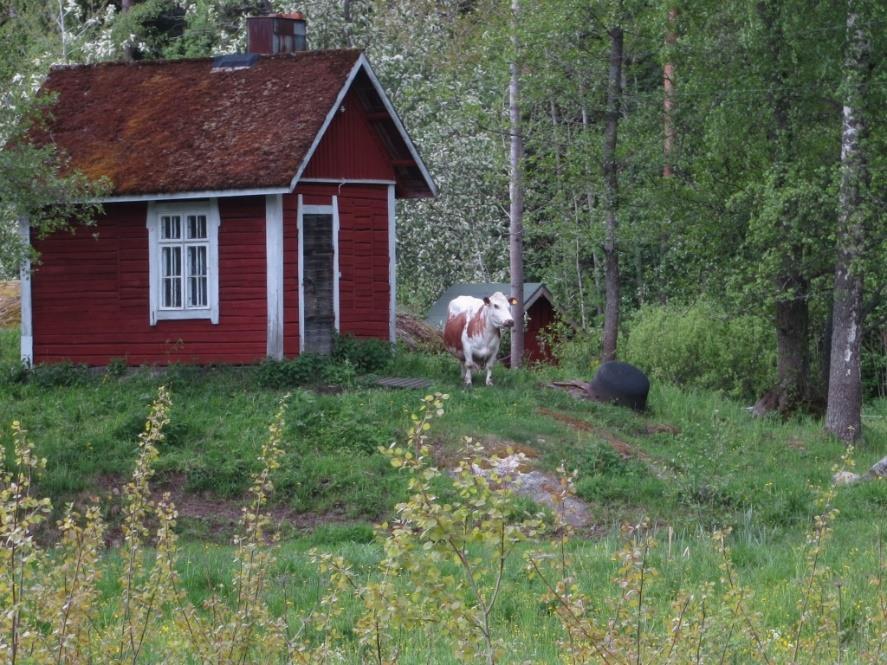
499	308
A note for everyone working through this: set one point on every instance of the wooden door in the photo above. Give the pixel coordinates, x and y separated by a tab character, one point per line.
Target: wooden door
317	283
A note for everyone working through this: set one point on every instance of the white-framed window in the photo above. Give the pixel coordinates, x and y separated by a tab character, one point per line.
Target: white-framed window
183	260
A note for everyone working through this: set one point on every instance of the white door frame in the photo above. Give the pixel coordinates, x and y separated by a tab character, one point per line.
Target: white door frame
308	209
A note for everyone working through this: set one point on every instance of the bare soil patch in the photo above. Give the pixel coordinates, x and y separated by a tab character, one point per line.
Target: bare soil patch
10	303
221	515
623	448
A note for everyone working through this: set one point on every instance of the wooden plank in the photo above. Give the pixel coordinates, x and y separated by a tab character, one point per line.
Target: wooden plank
403	383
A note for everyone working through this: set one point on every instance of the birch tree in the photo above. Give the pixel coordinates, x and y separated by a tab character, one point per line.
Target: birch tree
844	410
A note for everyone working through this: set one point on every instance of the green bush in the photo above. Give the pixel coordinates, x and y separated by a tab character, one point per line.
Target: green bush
578	350
117	367
703	346
366	355
305	370
874	361
13	371
63	374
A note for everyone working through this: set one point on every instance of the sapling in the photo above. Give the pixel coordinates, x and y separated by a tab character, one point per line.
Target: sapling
20	514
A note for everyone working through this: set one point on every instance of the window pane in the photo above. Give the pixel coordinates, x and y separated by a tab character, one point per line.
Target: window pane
196	227
197	288
197	260
171	272
172	292
172	262
170	227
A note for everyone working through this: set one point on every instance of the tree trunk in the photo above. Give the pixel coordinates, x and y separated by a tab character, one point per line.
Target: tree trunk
844	409
791	286
792	333
516	195
611	181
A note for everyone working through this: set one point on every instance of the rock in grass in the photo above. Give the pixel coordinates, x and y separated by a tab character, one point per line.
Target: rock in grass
879	469
846	478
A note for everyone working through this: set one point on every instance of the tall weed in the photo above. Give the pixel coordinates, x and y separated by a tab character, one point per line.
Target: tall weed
442	575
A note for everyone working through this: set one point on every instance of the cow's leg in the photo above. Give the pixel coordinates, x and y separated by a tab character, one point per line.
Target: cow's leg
469	363
466	374
489	368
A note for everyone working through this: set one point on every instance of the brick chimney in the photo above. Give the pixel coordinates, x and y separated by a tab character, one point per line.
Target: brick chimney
278	33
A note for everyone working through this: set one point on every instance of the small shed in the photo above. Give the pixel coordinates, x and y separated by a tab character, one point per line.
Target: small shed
538	305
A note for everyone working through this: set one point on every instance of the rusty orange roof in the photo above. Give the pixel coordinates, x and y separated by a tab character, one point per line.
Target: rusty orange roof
175	126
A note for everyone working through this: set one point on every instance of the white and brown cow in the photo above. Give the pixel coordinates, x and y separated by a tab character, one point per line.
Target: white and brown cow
473	328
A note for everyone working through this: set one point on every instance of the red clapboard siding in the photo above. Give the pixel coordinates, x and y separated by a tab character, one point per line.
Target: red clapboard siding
90	293
350	148
364	292
364	295
291	275
540	315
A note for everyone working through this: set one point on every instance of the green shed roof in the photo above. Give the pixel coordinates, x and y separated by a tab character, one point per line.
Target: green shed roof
437	315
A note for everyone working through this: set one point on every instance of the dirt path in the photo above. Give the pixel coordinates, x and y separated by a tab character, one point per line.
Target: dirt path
622	448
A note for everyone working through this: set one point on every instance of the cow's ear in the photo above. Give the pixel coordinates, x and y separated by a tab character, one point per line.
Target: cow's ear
512	301
486	300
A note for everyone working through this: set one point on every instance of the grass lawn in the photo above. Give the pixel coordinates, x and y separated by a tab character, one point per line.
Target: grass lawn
694	462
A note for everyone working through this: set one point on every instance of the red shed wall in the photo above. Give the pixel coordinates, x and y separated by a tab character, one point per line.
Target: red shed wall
350	148
364	295
90	293
540	315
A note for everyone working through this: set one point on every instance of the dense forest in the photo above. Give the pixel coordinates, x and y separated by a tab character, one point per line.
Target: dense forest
707	168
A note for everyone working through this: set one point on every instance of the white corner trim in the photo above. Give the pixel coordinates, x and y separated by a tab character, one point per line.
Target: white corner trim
153	264
300	262
364	64
27	327
336	273
392	267
332	209
214	221
274	272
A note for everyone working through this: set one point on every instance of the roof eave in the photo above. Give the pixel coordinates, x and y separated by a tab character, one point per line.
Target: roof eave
202	194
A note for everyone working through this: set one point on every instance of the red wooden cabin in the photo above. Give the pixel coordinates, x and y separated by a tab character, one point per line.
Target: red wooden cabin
252	211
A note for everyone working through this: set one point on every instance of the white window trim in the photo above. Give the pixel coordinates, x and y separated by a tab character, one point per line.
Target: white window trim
209	208
392	267
332	209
